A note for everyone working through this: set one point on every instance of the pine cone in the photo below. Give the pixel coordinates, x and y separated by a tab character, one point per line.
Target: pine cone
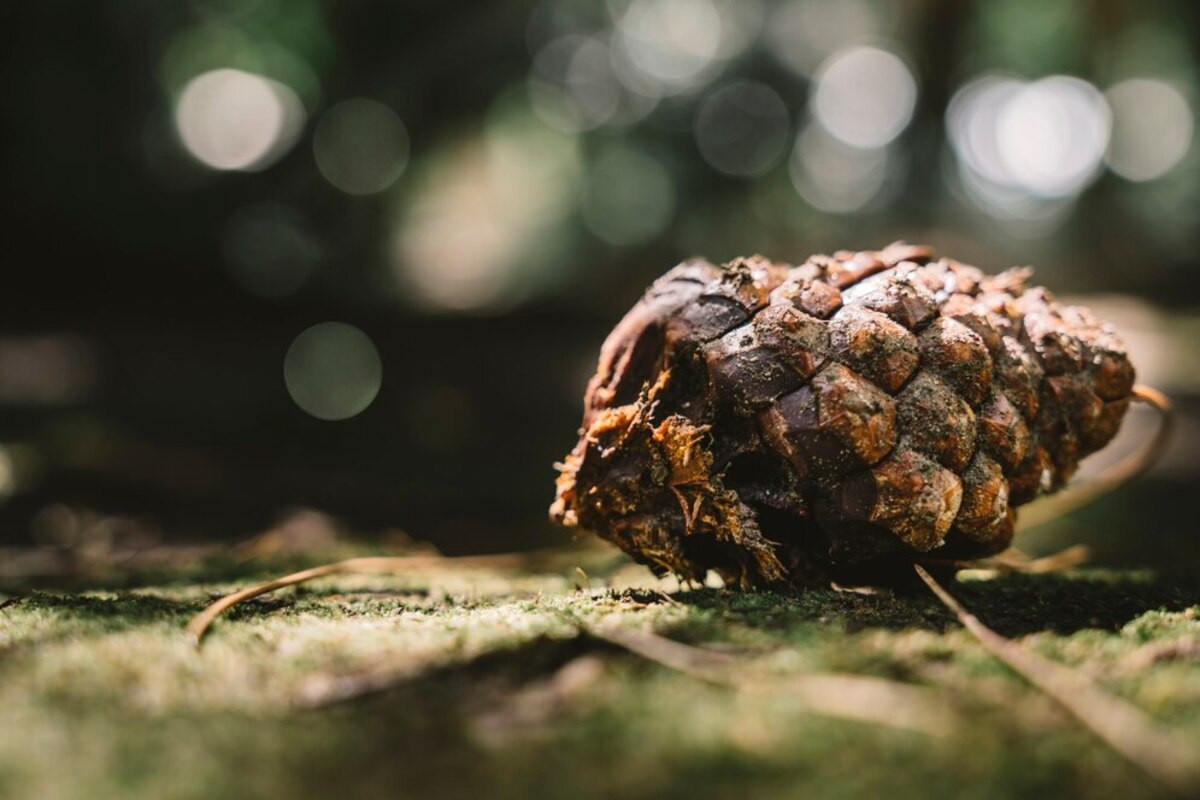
787	426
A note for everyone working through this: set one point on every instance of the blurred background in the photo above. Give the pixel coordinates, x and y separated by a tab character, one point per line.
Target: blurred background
352	261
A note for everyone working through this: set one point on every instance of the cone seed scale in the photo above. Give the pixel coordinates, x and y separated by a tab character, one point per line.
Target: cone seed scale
790	425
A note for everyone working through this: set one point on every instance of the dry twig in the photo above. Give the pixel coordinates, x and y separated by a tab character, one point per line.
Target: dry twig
1013	560
858	698
1163	756
200	623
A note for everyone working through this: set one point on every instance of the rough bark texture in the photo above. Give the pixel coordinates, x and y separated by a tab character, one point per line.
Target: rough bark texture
788	425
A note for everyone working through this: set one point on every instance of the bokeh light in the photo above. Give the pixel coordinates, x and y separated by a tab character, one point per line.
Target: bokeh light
573	86
332	371
8	474
1152	128
218	44
361	146
741	26
667	45
972	122
229	119
1026	149
270	250
835	177
551	19
802	33
742	128
47	370
629	197
1052	134
477	228
864	96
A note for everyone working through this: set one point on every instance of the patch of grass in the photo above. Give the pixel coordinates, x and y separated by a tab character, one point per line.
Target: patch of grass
469	682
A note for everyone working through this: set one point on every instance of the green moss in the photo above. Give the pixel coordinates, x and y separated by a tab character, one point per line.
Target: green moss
494	690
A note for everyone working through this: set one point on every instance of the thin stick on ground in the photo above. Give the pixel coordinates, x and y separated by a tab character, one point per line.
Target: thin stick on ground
1056	562
1170	760
1012	560
200	623
860	698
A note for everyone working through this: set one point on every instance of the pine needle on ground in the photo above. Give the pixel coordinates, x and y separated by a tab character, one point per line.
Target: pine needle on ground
1164	756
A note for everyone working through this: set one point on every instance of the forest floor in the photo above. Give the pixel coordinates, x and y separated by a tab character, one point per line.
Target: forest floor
454	681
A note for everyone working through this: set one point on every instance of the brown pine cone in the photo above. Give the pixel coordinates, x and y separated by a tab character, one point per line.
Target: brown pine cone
791	425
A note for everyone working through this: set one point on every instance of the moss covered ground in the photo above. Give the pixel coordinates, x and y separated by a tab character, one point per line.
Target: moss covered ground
468	682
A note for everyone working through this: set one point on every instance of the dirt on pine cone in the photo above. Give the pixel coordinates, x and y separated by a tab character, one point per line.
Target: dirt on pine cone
790	425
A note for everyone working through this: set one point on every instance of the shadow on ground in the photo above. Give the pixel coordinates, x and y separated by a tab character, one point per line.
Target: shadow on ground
1014	605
